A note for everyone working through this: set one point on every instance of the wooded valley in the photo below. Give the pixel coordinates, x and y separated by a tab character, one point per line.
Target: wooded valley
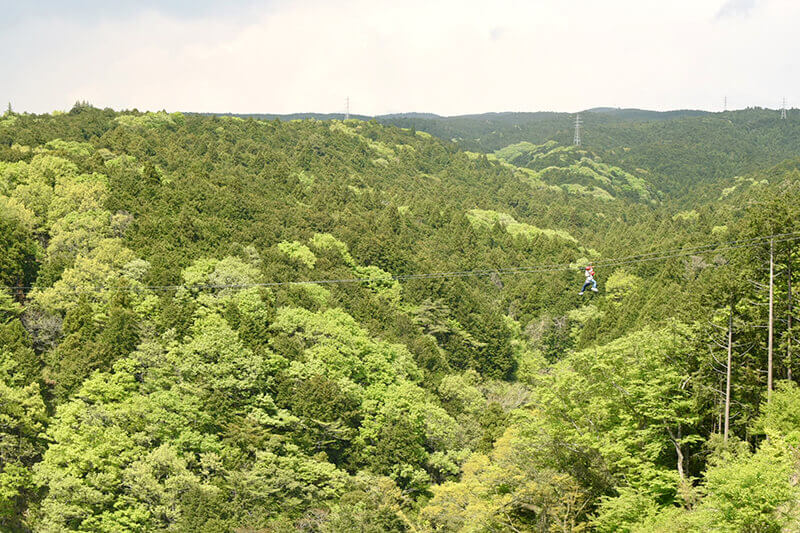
217	323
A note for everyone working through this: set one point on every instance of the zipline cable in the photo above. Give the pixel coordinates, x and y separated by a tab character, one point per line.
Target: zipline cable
564	267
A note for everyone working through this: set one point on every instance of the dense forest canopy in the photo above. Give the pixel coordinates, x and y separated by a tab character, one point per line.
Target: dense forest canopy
217	323
687	152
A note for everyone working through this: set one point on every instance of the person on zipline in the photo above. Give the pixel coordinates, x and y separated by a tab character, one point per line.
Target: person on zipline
589	280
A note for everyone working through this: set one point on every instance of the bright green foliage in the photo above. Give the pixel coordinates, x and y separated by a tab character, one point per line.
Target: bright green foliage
156	120
507	490
401	427
374	505
605	417
8	307
746	491
743	492
79	233
49	169
104	266
99	475
310	296
298	252
626	407
36	196
83	193
230	272
484	218
575	169
332	344
380	282
7	120
755	493
12	174
74	148
326	241
621	284
781	415
687	216
216	356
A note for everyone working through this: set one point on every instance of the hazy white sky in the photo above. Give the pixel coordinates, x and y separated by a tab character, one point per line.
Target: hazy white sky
441	56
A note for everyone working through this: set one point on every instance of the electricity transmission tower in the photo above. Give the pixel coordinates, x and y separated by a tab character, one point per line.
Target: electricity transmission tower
783	109
725	104
578	123
347	109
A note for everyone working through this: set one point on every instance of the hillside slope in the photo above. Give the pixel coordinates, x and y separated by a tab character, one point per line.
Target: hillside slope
684	152
220	324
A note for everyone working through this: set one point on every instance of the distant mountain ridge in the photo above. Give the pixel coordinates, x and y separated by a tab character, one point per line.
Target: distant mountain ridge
618	112
646	114
287	117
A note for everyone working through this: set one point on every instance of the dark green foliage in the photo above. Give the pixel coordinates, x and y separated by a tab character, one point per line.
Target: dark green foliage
494	422
75	357
329	417
20	250
16	341
400	442
119	333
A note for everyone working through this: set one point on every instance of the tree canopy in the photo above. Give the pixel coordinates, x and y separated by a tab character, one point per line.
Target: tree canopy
216	323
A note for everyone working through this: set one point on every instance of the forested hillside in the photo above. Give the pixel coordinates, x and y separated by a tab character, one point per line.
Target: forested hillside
691	155
686	152
225	324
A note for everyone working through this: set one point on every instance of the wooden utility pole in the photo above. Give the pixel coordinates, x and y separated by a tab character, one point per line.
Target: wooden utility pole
769	334
789	322
728	377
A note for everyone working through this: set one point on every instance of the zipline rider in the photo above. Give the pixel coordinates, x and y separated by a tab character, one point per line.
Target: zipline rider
589	280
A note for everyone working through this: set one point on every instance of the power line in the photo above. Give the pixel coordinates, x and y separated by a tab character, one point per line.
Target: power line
755	241
532	269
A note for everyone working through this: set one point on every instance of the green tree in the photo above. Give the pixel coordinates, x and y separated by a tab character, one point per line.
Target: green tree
22	423
20	249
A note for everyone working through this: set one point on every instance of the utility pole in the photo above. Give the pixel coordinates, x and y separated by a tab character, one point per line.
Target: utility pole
783	109
728	374
789	322
578	123
347	109
769	334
